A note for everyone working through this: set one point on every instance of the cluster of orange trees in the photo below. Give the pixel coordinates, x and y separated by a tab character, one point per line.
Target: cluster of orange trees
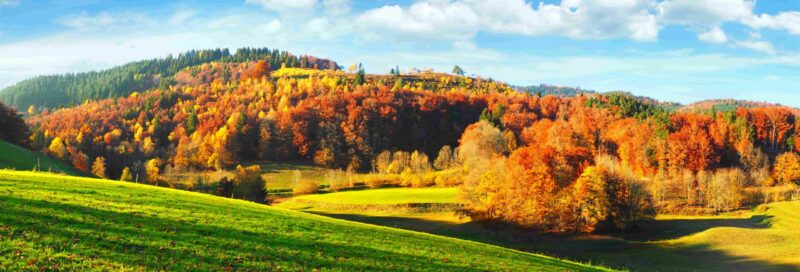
560	164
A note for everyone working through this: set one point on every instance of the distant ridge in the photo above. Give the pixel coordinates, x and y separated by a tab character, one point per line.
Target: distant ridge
55	91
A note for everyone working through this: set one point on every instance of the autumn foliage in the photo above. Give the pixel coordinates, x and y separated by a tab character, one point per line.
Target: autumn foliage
580	163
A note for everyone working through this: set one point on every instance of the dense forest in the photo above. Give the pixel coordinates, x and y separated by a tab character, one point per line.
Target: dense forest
54	91
560	164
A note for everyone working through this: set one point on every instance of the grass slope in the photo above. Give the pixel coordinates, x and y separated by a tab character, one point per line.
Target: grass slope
764	239
18	158
50	221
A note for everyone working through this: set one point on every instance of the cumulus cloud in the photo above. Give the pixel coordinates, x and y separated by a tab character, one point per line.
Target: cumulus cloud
704	13
580	19
788	21
439	20
715	35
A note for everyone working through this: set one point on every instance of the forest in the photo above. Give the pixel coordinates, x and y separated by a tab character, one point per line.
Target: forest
571	163
54	91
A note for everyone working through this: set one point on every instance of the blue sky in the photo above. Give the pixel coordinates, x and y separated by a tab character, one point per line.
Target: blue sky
672	50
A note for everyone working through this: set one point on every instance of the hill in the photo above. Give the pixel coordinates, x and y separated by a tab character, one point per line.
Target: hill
15	157
56	222
726	105
670	243
54	91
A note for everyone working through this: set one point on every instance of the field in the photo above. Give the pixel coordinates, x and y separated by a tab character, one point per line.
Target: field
56	222
278	176
764	239
15	157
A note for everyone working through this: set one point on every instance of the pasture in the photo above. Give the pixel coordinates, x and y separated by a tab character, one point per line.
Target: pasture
762	239
57	222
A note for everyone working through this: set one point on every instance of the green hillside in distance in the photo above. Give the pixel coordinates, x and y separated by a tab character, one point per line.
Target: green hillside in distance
57	222
19	158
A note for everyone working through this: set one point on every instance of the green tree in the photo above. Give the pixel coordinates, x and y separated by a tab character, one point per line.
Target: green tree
458	71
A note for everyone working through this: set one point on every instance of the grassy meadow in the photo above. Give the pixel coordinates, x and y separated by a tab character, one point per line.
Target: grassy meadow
763	239
57	222
15	157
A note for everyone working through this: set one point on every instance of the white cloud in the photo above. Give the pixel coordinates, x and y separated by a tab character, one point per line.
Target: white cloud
103	19
284	5
704	13
788	21
760	46
9	3
715	35
711	14
437	20
337	7
462	19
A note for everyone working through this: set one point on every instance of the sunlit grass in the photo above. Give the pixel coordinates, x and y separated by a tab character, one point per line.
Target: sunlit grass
764	239
387	196
59	222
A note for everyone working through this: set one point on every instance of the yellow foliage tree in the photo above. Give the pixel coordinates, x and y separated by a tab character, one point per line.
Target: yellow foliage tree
99	167
787	168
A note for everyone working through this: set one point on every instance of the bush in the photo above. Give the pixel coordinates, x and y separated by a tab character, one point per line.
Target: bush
248	184
303	186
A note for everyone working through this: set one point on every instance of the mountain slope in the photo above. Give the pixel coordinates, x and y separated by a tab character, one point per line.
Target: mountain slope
54	91
15	157
56	222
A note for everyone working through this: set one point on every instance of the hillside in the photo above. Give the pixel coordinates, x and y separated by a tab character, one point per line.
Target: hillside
55	91
725	105
15	157
670	243
57	222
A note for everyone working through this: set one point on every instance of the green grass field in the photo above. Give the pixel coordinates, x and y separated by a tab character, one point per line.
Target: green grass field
57	222
765	239
18	158
386	196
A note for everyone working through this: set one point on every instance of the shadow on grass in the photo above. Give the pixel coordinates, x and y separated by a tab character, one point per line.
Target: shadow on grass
80	237
629	251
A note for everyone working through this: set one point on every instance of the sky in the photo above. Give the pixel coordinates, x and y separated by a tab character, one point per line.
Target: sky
672	50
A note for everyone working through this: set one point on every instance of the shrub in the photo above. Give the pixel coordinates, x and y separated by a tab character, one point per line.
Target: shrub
303	186
248	183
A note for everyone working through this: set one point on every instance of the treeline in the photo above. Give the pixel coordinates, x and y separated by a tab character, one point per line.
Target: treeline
555	164
560	91
54	91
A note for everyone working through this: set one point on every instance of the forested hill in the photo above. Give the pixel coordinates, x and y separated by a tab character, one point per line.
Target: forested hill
54	91
560	91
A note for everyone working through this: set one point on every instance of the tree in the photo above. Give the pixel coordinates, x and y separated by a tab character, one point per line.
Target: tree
787	168
724	191
81	161
458	71
360	75
99	167
592	199
153	171
126	175
14	130
57	148
445	159
249	184
481	140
